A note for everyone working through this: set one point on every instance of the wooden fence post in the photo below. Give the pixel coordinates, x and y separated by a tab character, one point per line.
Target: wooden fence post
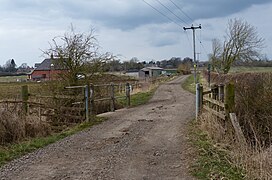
238	131
25	98
128	94
91	99
199	98
221	92
87	102
112	106
229	98
214	90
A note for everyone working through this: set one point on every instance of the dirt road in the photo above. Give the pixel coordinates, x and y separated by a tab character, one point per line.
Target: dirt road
142	143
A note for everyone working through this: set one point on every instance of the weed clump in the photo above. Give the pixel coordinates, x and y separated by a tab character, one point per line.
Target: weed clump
12	127
15	127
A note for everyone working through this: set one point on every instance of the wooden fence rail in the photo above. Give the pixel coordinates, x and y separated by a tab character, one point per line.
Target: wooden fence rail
219	100
84	102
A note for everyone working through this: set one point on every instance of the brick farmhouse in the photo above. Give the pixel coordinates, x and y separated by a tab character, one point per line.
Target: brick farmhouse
47	70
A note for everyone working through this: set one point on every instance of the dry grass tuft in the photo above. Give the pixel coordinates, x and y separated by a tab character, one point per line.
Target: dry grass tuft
12	127
256	161
213	127
15	127
34	127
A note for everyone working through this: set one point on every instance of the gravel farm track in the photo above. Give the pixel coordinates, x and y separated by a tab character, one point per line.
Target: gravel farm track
148	142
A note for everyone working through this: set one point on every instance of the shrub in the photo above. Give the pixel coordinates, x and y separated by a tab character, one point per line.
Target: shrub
184	68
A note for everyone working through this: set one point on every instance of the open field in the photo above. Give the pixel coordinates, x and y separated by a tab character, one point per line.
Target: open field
250	69
13	78
12	90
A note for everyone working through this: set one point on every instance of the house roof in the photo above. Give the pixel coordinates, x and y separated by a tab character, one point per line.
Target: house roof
37	64
155	68
151	68
48	64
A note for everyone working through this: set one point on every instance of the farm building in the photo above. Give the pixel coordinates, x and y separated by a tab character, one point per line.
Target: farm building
132	73
150	72
169	72
47	70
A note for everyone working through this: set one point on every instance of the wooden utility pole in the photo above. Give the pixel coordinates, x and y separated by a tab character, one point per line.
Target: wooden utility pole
25	96
195	65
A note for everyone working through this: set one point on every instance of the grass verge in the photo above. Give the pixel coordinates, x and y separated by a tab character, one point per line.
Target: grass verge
138	98
211	162
189	84
13	151
141	98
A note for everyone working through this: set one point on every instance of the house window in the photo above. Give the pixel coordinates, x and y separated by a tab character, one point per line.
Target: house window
43	75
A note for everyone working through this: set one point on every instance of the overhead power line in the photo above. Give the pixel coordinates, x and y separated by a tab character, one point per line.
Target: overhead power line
182	11
200	42
173	21
161	13
203	47
171	11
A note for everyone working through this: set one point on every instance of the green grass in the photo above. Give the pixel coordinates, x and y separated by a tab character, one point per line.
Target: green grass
141	98
211	162
13	151
189	84
138	98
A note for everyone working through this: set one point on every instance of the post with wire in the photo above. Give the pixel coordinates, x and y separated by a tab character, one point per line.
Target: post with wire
195	63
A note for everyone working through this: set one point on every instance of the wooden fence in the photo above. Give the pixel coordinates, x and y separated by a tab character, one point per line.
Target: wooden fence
79	105
219	100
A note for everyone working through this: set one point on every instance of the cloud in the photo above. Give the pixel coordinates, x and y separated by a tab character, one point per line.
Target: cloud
123	14
200	9
128	27
164	40
127	15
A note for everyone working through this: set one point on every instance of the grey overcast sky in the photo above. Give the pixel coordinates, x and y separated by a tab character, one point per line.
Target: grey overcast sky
128	28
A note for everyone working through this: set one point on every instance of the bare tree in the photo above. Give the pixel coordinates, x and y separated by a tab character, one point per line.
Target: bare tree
76	53
10	66
241	43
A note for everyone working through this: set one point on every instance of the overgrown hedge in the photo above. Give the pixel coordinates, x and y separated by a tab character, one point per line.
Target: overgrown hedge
253	104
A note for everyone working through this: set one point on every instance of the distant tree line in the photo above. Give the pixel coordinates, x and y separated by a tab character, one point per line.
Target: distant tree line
134	64
10	67
255	63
